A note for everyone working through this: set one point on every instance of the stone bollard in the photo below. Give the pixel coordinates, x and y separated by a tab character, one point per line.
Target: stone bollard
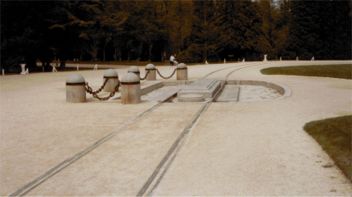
152	72
75	89
130	89
265	58
181	72
23	69
113	80
134	69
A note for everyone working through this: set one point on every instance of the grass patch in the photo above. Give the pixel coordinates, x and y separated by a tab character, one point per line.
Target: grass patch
335	71
334	136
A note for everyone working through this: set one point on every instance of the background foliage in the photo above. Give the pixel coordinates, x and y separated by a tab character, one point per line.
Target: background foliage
196	31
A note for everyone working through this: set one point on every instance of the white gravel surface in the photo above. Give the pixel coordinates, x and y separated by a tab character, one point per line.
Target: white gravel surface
244	148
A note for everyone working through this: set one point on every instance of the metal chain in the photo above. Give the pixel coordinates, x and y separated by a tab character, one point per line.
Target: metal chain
116	89
146	74
95	93
90	90
168	77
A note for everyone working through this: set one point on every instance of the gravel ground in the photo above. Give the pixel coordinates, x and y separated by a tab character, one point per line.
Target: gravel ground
245	148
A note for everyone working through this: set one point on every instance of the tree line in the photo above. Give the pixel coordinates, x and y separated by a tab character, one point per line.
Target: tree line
197	31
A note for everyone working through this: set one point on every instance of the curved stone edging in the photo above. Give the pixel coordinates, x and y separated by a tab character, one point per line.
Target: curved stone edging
282	89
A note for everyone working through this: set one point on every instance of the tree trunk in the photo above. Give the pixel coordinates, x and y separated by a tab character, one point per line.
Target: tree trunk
94	53
62	64
115	54
47	66
150	51
81	55
104	49
140	47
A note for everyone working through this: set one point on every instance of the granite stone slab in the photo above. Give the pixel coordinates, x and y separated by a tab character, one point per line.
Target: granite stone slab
205	87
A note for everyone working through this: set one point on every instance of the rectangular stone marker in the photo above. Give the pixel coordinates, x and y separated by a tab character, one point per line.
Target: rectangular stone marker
205	87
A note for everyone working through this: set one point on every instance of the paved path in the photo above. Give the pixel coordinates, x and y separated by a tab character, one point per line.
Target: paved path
260	148
245	148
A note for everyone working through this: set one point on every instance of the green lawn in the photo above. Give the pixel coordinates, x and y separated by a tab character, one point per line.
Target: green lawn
334	136
335	71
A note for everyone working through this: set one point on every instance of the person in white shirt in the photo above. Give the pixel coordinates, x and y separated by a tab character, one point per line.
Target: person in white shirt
173	60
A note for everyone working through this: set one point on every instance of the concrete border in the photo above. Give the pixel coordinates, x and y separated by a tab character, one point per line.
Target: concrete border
282	89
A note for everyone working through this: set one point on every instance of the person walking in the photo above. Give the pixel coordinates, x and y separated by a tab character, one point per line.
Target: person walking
173	61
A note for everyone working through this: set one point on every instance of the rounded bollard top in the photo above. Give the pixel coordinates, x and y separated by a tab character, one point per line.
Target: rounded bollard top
130	78
75	79
110	73
133	69
150	67
181	65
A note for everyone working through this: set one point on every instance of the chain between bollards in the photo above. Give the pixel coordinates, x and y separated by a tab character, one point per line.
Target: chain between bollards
95	93
168	77
90	90
110	95
146	75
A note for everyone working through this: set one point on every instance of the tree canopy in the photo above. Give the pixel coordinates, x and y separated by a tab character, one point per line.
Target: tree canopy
151	30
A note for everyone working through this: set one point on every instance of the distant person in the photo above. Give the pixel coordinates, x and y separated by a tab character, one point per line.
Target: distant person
173	61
